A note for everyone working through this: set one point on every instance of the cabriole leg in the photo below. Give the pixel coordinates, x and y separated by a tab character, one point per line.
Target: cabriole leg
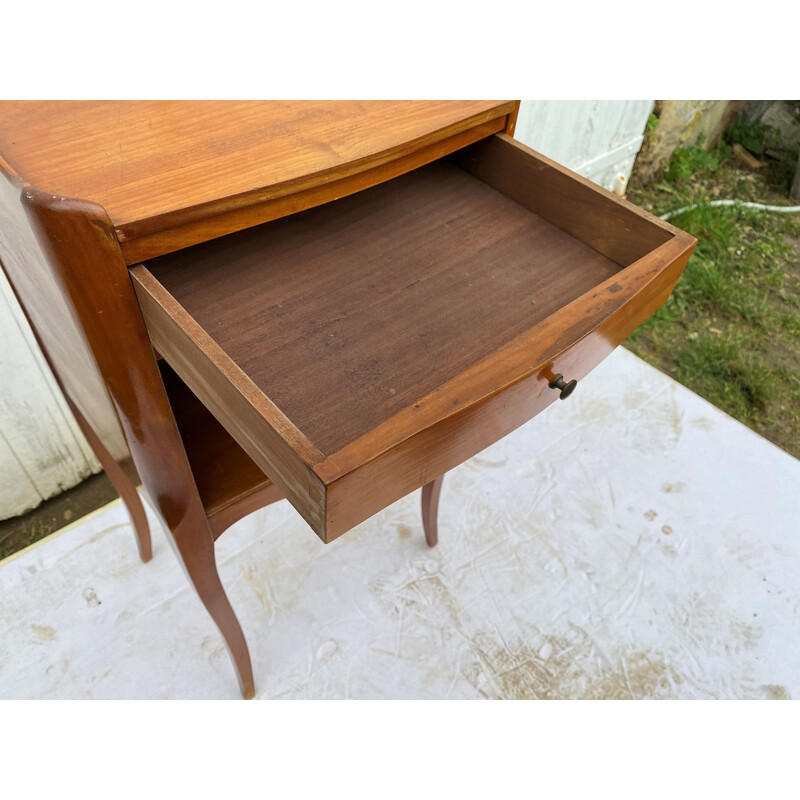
122	483
430	510
194	548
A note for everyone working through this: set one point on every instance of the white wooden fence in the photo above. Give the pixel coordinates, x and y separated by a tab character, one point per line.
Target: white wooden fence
42	452
599	139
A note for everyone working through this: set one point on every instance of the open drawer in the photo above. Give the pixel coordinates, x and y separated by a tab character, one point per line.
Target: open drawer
359	349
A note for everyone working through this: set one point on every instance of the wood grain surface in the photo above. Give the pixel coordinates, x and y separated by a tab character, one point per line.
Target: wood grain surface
254	421
397	332
224	473
203	224
349	353
156	166
499	394
616	228
345	314
54	321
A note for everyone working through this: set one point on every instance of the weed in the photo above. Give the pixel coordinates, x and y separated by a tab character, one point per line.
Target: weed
752	137
687	161
650	128
785	168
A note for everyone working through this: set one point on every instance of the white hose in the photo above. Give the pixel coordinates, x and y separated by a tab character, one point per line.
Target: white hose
788	209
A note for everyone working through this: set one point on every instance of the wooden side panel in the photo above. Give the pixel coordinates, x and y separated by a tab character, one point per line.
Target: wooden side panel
41	294
84	257
66	266
250	417
618	230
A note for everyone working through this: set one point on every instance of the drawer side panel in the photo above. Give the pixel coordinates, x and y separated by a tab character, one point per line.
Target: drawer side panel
259	428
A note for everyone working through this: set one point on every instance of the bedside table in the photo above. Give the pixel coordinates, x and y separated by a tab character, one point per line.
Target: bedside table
331	302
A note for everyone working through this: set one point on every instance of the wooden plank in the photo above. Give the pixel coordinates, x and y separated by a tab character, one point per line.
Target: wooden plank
615	228
251	418
18	492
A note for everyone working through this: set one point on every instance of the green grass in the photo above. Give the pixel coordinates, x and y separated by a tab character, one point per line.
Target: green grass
731	329
732	374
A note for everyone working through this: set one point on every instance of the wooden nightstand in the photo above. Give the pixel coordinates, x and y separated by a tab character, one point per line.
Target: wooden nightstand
332	302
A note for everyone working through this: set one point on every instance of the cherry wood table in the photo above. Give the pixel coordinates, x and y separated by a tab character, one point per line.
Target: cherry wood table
331	302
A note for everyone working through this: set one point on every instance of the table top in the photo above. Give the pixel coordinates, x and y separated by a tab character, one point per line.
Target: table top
147	162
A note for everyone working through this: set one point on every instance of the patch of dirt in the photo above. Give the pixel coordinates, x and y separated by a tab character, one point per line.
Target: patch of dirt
18	533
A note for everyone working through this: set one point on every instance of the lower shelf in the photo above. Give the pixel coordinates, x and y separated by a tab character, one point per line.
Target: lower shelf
228	480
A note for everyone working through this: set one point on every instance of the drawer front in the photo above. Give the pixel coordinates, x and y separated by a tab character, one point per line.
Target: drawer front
358	350
355	496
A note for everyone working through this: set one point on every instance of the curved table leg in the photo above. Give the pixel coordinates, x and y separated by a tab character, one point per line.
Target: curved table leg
430	510
194	547
122	483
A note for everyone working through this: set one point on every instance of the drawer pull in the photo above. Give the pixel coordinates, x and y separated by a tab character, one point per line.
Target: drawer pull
566	388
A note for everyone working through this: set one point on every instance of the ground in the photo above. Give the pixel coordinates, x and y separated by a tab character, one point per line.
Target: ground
20	532
731	329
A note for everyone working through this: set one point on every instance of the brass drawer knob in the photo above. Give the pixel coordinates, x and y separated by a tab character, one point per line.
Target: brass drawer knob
566	388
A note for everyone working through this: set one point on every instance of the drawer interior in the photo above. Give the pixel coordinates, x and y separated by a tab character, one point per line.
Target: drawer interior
345	314
338	321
